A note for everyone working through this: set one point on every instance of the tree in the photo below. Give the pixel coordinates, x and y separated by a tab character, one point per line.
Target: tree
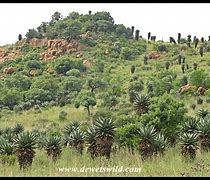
137	35
18	81
32	33
105	132
132	29
149	35
95	83
180	59
141	103
19	37
72	31
201	51
167	65
146	145
171	39
53	146
86	99
24	144
189	40
179	38
103	16
56	17
196	42
183	68
189	145
146	59
132	69
10	98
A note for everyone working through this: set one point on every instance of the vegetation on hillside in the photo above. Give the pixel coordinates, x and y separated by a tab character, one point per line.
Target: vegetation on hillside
106	90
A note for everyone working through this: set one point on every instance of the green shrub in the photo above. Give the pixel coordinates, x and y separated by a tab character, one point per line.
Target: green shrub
159	116
73	72
63	115
199	101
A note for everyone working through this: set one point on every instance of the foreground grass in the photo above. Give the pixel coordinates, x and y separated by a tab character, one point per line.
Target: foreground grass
171	164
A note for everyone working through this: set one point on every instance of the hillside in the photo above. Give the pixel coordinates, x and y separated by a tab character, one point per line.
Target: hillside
82	70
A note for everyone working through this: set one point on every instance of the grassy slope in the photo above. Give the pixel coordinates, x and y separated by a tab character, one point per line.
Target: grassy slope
169	165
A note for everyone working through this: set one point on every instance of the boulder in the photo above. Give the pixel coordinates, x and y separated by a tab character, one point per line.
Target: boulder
154	55
58	47
184	88
9	70
201	90
2	53
87	63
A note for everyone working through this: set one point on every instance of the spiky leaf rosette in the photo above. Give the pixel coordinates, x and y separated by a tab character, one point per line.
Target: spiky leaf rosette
160	143
190	126
189	144
132	95
204	133
6	147
9	136
90	137
202	113
77	139
24	145
104	127
18	128
68	129
53	146
41	136
146	145
147	133
204	126
141	103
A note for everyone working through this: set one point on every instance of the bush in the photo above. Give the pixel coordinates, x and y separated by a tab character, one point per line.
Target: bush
73	72
200	78
199	101
128	53
162	48
208	100
193	106
88	41
32	33
127	136
62	115
33	64
10	98
63	64
102	113
39	95
159	116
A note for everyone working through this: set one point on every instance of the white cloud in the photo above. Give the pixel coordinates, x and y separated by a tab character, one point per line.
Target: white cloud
161	19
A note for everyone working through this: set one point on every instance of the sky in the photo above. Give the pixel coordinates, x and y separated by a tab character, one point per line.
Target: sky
161	19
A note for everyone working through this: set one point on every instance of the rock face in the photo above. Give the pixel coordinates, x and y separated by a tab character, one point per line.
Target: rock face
38	42
58	47
9	70
201	90
8	54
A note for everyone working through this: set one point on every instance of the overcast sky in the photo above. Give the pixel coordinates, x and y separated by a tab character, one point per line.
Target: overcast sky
161	19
